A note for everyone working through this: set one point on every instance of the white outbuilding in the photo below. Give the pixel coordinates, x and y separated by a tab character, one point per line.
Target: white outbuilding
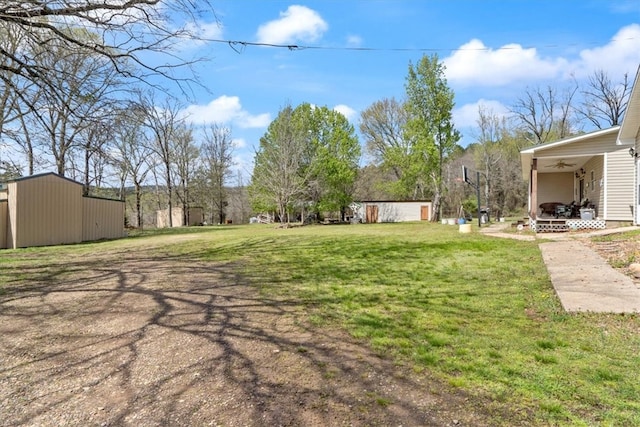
393	211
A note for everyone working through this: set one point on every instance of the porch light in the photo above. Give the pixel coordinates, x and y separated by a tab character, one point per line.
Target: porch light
632	152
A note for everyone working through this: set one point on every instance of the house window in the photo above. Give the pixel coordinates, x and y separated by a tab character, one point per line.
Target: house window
593	180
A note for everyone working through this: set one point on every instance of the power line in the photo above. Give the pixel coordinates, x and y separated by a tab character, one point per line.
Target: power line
239	46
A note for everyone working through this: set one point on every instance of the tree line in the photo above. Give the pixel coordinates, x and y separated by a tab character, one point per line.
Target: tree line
412	147
79	96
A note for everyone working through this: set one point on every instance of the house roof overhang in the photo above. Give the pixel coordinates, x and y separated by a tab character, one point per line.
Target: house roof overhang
538	151
631	122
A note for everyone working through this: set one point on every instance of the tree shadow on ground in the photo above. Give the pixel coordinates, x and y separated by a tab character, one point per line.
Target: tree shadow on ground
125	338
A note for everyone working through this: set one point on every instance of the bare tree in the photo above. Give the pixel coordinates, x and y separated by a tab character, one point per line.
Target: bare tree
488	153
240	209
95	145
10	100
163	122
604	102
382	125
130	35
25	140
154	163
217	156
61	119
185	156
370	183
132	154
545	115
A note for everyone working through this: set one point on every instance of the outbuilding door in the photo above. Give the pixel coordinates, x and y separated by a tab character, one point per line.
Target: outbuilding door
372	213
425	215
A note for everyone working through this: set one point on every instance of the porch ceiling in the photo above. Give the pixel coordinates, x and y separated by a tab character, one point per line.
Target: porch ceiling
553	164
561	164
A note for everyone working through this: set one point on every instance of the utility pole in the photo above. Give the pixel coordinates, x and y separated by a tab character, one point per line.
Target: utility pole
478	197
476	185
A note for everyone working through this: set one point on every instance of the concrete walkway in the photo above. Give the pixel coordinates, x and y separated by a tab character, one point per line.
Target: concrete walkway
582	279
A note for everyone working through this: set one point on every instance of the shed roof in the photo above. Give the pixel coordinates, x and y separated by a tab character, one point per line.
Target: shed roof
395	201
40	175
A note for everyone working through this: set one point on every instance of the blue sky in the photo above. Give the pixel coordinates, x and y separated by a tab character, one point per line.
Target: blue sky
493	51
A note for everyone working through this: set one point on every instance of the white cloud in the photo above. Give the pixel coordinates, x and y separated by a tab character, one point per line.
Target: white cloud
225	110
467	115
246	120
297	23
346	111
620	55
476	64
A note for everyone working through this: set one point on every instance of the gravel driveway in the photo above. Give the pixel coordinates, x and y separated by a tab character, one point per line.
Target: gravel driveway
125	338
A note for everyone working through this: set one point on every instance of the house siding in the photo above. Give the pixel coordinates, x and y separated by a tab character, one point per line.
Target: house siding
45	211
636	183
619	186
593	146
102	219
594	189
555	187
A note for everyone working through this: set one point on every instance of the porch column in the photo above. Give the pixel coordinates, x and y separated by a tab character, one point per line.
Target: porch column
533	209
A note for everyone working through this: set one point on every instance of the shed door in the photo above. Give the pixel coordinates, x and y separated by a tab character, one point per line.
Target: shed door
424	213
372	213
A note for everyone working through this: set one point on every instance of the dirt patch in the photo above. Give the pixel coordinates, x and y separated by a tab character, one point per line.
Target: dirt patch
127	338
619	253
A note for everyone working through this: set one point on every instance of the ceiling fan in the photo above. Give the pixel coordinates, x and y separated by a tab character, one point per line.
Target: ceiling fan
561	164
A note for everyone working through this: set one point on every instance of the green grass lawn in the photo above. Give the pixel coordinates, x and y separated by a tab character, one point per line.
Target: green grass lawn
477	312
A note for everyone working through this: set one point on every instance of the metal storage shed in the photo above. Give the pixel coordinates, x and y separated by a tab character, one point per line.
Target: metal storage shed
50	209
195	216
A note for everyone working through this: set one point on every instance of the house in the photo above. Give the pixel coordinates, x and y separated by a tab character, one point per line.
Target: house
392	211
195	216
49	209
581	182
601	166
629	136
